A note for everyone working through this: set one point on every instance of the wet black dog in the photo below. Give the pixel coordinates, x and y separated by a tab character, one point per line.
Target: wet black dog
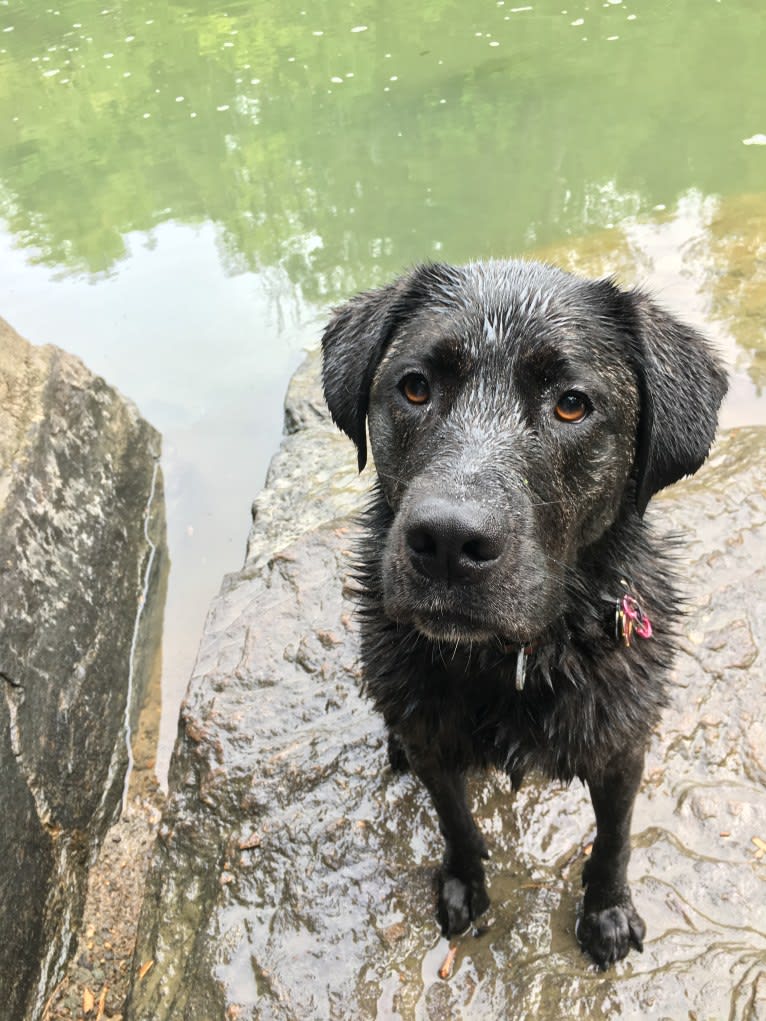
520	420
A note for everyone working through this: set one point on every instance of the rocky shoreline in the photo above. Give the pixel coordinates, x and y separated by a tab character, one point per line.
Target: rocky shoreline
288	874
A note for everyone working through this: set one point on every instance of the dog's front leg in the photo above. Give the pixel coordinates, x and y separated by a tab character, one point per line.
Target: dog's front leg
610	924
462	893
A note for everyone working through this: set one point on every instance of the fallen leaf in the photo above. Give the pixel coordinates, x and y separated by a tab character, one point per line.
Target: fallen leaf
761	845
144	969
88	1001
449	961
101	1003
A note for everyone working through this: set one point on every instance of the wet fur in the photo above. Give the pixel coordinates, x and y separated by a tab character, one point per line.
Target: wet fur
499	342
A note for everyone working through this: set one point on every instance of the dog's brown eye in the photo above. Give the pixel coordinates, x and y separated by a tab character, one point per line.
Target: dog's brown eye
571	407
415	388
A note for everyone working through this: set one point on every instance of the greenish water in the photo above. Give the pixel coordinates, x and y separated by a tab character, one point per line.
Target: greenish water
185	187
341	141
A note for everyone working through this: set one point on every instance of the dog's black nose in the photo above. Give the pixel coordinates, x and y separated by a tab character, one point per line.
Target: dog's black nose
453	542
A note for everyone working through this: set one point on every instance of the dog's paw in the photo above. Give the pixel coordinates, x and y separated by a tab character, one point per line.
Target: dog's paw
608	935
460	902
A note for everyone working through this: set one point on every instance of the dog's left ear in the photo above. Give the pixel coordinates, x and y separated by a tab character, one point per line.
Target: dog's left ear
682	383
356	339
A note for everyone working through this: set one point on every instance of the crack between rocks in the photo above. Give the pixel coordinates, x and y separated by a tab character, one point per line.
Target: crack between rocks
127	728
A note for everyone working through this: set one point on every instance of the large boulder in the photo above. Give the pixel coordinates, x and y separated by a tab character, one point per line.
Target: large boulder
292	876
81	558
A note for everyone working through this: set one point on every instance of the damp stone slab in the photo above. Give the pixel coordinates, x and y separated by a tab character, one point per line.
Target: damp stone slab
293	872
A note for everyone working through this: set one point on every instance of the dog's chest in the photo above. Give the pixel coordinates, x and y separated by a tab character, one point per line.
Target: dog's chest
467	710
474	716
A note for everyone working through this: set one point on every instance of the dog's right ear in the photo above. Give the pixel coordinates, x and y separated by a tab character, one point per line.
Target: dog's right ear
352	346
355	341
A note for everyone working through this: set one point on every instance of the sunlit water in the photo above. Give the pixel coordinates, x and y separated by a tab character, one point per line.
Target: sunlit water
185	188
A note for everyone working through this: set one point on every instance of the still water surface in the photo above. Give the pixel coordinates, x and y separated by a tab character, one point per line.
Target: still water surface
186	187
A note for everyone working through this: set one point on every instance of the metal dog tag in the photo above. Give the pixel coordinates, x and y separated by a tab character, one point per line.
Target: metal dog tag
521	669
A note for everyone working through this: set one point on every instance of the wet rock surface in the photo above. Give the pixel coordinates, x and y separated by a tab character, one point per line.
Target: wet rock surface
81	558
293	873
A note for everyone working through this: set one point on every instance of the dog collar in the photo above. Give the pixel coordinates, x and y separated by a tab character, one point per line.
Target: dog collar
521	668
629	619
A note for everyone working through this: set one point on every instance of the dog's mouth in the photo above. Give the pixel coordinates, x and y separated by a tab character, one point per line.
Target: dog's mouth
461	629
452	628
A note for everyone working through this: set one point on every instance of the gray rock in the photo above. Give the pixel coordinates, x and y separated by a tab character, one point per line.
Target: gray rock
292	876
82	556
312	478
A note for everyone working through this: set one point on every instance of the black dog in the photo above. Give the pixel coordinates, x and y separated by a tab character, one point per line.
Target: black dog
520	420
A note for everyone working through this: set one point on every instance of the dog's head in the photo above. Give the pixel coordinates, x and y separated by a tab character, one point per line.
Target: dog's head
515	413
